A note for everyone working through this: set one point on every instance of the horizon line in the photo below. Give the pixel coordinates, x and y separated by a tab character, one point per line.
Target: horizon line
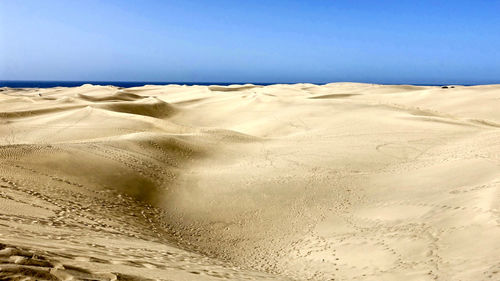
204	83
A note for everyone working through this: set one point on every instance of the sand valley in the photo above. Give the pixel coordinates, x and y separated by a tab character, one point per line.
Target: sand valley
342	181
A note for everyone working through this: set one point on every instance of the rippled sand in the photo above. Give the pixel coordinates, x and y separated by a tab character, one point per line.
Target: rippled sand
343	181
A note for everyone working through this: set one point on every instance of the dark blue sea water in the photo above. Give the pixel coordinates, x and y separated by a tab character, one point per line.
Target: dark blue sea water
124	84
128	84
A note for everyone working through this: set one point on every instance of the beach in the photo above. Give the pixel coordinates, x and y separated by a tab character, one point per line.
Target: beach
343	181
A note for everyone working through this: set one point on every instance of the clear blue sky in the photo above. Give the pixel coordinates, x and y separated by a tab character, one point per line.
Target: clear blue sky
251	41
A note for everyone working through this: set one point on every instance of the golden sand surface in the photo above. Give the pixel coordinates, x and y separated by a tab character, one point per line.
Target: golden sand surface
343	181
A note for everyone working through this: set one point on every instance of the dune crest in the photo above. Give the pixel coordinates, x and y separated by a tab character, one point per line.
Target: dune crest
343	181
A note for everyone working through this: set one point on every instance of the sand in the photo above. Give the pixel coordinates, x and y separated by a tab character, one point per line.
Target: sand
343	181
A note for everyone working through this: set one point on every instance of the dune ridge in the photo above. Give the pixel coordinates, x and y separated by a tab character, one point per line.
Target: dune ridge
343	181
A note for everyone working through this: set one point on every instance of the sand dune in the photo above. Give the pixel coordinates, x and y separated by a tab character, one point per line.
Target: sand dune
344	181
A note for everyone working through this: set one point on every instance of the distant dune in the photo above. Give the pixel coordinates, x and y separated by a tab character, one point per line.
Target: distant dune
344	181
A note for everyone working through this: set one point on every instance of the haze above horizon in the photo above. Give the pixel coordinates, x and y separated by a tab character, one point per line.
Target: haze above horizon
412	42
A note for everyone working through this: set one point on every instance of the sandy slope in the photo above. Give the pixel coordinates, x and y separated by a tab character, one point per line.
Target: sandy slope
343	181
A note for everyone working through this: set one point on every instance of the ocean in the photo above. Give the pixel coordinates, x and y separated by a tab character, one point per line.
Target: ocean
124	84
128	84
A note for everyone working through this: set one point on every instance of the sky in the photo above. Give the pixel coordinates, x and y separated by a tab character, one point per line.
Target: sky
317	41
